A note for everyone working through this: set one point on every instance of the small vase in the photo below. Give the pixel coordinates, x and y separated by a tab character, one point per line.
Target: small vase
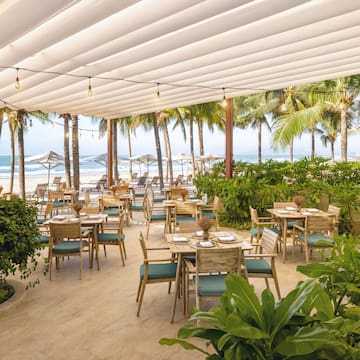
298	209
206	235
77	214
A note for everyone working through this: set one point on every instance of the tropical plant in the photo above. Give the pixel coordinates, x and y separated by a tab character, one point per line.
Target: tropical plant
75	151
301	326
18	235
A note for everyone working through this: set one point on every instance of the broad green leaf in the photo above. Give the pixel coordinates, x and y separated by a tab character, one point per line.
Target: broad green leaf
248	304
237	327
353	313
316	270
186	345
268	304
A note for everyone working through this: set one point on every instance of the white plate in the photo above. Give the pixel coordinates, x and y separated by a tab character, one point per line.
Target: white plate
59	217
226	238
306	213
169	201
313	210
198	233
205	244
179	239
283	211
74	220
290	208
93	216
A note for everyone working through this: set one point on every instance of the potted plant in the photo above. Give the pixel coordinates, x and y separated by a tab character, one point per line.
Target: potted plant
18	242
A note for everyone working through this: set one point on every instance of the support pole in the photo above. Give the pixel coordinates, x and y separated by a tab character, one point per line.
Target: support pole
229	138
109	153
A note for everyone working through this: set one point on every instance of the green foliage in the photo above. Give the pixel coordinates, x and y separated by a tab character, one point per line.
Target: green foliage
339	274
18	234
242	327
259	185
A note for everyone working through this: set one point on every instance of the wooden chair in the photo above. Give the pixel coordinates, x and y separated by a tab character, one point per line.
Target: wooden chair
175	193
212	266
212	211
258	224
151	215
186	212
262	264
39	193
334	218
313	235
56	182
112	234
154	271
110	205
43	216
101	184
66	240
58	200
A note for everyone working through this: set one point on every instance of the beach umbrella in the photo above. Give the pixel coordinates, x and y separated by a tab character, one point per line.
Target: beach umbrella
182	159
48	160
210	157
143	159
102	159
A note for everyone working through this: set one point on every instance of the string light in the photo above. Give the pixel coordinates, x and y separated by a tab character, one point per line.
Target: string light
224	102
17	81
158	91
90	92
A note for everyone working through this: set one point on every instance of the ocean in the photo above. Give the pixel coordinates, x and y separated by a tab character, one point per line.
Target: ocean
95	169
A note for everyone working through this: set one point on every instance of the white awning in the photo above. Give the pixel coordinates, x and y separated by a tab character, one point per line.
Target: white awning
192	48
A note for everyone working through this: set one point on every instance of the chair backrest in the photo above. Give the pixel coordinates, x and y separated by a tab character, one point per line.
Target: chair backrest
227	260
48	211
120	189
253	216
147	208
56	195
155	180
269	241
186	208
175	193
216	203
142	180
106	201
40	191
90	210
64	230
143	245
284	204
317	223
56	180
334	211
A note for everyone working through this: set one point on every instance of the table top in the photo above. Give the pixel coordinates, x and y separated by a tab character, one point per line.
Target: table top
220	239
171	203
93	219
292	213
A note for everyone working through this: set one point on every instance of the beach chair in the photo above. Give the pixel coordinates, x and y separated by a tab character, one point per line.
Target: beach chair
101	184
56	182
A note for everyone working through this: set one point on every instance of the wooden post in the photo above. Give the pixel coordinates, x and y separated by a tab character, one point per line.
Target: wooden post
110	153
229	138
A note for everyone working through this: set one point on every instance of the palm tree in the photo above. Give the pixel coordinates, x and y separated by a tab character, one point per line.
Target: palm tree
154	117
75	151
252	111
126	127
67	118
331	130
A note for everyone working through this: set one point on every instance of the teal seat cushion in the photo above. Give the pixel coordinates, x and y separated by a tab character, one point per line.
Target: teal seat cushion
109	237
57	204
68	247
253	231
158	217
208	214
42	239
41	202
211	285
258	266
139	194
317	239
180	219
136	207
40	221
159	271
111	212
159	199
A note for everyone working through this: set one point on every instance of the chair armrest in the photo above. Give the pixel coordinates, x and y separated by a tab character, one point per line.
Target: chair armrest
265	218
190	265
259	255
269	223
299	227
148	261
158	248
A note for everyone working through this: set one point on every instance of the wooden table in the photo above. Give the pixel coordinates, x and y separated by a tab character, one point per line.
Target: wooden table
93	221
181	249
287	214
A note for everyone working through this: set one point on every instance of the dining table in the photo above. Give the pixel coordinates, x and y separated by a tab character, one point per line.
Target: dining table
92	221
186	244
292	214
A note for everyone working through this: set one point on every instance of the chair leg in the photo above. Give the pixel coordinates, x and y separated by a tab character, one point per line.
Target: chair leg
122	253
141	297
81	265
147	230
138	292
124	248
277	287
105	250
50	265
267	283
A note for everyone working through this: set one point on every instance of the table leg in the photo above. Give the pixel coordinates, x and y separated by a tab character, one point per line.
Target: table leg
285	225
177	286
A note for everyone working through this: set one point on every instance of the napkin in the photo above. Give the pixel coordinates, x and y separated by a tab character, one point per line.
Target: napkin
179	239
199	233
226	238
206	244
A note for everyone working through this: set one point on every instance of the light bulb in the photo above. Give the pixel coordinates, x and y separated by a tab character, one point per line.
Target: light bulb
90	92
17	81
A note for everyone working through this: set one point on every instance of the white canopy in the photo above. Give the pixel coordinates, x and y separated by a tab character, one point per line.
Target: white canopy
196	50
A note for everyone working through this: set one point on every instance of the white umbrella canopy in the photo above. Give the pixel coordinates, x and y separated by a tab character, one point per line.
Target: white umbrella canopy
210	157
143	159
48	160
182	159
102	159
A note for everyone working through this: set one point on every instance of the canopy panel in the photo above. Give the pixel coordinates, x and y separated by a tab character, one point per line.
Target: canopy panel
195	50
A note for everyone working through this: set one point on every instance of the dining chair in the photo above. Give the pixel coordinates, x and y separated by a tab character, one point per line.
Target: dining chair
152	214
111	233
66	240
175	193
58	200
287	204
262	263
212	266
334	218
212	211
110	205
154	270
44	214
186	212
258	223
313	235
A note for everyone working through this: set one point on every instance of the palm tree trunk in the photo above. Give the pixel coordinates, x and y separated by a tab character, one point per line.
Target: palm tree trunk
75	151
312	144
21	152
115	157
191	130
332	150
168	151
343	127
259	141
12	155
130	152
291	150
158	148
201	142
66	118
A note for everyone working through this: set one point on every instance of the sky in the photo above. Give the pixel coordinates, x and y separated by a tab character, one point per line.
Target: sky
44	137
